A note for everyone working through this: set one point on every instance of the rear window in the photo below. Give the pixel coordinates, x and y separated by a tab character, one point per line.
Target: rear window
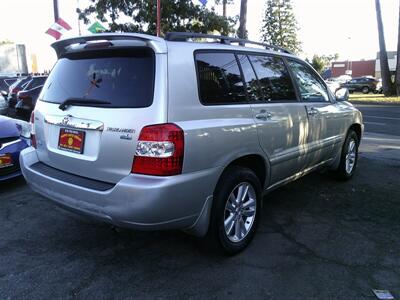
124	78
220	81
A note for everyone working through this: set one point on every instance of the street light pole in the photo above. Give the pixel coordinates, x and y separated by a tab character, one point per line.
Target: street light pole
158	17
55	5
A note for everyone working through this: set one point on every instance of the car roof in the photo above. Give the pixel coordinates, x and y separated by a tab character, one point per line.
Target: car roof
161	45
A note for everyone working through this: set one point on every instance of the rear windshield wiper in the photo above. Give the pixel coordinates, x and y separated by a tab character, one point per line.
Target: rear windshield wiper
80	102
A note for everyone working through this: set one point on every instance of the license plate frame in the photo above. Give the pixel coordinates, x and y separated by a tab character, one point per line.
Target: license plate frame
6	161
71	140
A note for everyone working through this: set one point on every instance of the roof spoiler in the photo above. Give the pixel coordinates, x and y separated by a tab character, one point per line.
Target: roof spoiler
157	44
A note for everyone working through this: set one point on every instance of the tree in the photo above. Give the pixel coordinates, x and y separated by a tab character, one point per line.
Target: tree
176	15
224	4
320	63
280	25
398	60
242	31
385	73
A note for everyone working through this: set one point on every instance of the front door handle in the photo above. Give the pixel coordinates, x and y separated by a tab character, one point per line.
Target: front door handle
263	115
312	111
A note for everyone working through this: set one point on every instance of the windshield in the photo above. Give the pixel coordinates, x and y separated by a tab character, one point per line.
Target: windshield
124	78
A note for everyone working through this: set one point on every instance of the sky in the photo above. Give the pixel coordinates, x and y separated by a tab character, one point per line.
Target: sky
346	27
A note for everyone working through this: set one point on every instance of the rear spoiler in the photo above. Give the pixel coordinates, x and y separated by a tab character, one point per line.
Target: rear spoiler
135	39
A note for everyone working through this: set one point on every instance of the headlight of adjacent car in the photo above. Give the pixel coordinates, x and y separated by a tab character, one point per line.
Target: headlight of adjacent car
24	128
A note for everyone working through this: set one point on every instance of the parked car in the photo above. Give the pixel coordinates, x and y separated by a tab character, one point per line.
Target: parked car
333	85
26	102
14	137
25	83
14	88
6	81
151	133
3	105
361	84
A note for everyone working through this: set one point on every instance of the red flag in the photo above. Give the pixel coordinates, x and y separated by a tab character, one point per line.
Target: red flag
58	28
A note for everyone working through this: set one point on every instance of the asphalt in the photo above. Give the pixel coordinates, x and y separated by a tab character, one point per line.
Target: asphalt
318	239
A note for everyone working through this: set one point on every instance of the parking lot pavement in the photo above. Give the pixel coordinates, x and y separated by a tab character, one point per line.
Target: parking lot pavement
318	239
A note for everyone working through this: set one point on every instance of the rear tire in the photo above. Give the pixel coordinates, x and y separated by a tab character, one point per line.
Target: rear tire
365	90
349	157
235	211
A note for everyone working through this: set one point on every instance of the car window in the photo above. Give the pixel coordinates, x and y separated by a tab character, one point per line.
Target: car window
310	86
250	78
274	78
35	82
122	77
220	81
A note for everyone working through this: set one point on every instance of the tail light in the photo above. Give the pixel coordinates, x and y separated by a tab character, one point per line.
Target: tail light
159	150
15	90
33	136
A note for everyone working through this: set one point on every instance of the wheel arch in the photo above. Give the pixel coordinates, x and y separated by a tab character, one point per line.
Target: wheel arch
255	162
357	128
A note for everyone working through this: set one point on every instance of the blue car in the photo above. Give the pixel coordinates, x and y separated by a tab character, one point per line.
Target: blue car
14	137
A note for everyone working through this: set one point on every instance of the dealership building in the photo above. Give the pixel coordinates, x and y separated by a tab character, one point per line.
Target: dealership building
359	68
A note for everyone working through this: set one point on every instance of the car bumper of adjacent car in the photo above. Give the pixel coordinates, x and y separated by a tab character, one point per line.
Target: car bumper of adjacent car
13	148
137	201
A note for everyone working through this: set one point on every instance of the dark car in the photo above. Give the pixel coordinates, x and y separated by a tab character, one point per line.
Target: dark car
26	83
14	137
14	89
361	84
26	102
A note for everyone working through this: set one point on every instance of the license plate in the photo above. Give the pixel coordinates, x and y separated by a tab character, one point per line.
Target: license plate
71	140
6	160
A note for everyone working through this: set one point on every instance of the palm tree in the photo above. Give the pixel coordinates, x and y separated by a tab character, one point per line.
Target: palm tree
386	81
242	32
398	60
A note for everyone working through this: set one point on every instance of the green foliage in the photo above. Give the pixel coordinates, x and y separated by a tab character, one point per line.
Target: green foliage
280	25
320	63
140	16
6	42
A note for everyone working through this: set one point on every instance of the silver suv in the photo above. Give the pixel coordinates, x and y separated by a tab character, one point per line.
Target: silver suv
153	133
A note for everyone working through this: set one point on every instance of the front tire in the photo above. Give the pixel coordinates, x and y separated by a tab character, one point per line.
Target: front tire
349	157
236	210
365	90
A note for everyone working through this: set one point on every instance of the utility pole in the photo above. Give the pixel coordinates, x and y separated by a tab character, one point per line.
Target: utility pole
385	74
224	2
242	32
55	5
158	17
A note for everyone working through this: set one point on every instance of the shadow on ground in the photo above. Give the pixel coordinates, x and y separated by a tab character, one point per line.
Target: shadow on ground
319	239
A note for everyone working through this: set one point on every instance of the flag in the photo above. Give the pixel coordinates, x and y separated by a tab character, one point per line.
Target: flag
96	27
58	28
204	2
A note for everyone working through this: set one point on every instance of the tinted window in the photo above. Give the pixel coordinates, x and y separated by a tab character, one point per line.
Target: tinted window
274	78
35	82
124	78
311	87
252	86
220	81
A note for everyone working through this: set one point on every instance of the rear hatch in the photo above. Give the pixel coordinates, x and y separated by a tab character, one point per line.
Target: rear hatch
93	106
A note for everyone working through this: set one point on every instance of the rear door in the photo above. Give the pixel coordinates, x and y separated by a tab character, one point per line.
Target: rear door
281	120
111	97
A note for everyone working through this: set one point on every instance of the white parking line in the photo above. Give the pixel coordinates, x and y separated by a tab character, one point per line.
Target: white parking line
375	123
378	117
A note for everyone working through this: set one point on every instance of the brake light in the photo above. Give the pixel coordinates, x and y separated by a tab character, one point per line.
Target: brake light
33	136
159	150
15	90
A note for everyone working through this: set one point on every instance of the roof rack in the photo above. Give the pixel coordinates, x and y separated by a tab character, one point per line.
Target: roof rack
184	36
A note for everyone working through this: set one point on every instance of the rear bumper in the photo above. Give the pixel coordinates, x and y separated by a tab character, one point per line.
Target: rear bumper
14	148
137	201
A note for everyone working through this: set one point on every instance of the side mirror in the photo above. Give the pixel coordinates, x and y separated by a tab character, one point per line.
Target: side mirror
342	94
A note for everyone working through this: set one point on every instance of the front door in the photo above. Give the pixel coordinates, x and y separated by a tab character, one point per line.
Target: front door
281	120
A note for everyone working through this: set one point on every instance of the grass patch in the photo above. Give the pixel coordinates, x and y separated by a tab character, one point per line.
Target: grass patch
373	98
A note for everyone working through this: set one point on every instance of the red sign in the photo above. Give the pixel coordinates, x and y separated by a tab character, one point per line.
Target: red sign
5	160
71	140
